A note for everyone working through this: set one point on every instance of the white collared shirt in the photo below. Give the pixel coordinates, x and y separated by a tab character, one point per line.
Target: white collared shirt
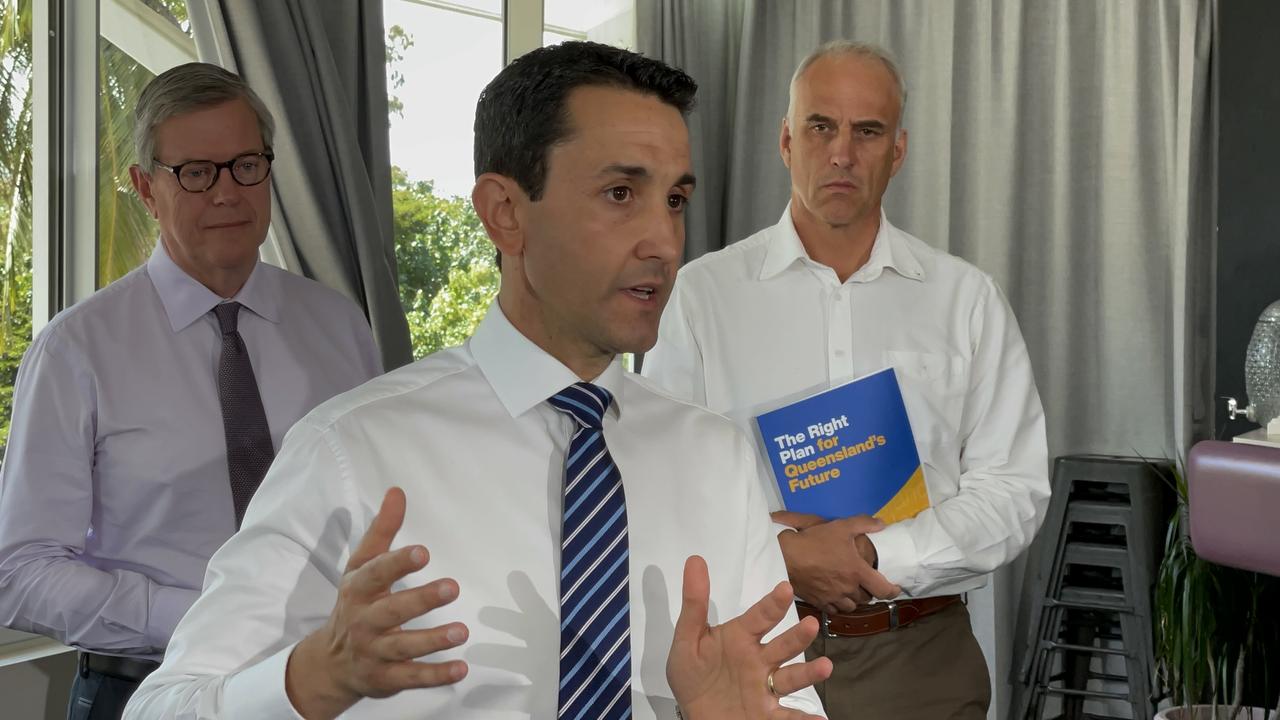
759	323
114	491
480	454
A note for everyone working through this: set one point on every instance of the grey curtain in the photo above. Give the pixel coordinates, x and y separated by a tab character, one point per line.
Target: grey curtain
1067	148
320	67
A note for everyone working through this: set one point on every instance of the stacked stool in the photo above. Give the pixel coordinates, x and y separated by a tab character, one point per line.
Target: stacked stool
1090	580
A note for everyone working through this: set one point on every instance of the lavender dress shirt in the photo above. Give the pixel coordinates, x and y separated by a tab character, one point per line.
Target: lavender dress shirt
114	490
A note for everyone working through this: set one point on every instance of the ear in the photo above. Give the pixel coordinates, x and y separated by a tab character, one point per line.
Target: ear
142	184
899	151
784	143
498	200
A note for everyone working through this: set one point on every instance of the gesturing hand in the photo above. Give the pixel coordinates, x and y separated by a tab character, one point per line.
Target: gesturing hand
722	672
830	562
361	651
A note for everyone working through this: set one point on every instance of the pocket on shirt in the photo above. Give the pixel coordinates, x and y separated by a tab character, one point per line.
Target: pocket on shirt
934	386
928	366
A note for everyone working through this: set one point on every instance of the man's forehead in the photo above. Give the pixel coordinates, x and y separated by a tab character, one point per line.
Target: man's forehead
610	108
230	126
612	129
842	75
835	95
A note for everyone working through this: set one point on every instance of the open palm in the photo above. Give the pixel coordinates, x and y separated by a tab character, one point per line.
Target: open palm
723	672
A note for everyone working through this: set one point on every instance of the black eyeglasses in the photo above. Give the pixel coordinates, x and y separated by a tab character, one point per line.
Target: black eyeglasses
200	175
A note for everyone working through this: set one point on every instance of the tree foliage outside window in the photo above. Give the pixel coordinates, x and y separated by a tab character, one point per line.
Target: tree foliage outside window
15	198
445	261
447	274
126	230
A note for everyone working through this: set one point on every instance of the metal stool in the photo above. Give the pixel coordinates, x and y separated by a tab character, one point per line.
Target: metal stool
1089	587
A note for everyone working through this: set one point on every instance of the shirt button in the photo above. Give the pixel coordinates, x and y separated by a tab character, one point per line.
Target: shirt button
839	353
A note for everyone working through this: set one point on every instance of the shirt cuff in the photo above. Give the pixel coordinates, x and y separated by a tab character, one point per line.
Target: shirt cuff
779	528
258	690
897	558
168	605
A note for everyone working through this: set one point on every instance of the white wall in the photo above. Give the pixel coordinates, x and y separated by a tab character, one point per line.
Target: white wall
37	689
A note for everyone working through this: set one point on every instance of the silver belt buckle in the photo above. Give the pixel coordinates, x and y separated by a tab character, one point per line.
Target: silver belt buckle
893	614
826	626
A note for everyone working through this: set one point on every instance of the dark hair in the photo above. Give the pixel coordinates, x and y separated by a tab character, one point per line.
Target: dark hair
523	111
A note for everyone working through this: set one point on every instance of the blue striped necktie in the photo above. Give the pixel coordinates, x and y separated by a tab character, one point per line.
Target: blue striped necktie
595	614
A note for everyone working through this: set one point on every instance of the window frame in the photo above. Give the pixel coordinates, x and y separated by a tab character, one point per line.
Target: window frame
64	133
65	37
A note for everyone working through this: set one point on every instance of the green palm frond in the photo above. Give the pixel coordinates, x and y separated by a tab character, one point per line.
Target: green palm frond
15	197
126	231
1215	628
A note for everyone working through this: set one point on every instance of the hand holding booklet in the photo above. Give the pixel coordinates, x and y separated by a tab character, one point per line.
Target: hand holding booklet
847	451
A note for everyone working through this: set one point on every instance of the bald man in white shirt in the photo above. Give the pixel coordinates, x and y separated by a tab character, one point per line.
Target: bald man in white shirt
833	292
556	497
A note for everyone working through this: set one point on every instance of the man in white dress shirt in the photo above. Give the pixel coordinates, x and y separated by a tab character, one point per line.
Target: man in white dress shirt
833	292
324	604
141	424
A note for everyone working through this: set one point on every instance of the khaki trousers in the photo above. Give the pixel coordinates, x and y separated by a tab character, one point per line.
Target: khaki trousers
932	669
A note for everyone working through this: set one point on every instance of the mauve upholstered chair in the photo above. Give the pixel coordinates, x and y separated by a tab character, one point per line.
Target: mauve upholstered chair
1234	496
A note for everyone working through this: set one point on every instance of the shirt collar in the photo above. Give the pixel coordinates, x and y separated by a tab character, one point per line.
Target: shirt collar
185	299
889	250
524	375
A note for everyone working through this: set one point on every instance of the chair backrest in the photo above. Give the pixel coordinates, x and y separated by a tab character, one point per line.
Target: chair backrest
1234	496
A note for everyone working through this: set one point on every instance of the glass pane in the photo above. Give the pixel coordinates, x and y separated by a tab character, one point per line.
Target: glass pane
175	11
550	38
126	231
440	56
612	22
15	200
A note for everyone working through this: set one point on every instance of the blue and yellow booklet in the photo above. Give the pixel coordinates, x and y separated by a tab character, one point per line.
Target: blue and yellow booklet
847	451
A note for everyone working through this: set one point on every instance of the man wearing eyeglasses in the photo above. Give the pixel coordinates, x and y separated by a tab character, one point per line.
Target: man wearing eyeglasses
145	416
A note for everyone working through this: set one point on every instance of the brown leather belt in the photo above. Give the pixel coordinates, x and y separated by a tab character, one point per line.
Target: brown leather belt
122	668
875	618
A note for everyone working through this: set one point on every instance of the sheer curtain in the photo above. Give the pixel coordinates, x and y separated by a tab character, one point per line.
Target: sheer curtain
320	66
1068	149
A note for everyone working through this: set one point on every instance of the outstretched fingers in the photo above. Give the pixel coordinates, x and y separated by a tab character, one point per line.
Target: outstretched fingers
695	599
398	608
793	678
375	577
767	612
790	643
402	676
377	539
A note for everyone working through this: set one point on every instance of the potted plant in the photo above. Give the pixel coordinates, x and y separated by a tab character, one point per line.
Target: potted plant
1217	632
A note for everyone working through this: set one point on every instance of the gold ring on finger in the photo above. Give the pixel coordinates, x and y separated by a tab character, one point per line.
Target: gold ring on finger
772	690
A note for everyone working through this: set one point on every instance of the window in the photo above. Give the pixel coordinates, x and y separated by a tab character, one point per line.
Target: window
612	22
126	231
446	263
139	38
15	200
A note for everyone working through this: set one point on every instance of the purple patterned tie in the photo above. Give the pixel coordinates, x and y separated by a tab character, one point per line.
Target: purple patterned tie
249	451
